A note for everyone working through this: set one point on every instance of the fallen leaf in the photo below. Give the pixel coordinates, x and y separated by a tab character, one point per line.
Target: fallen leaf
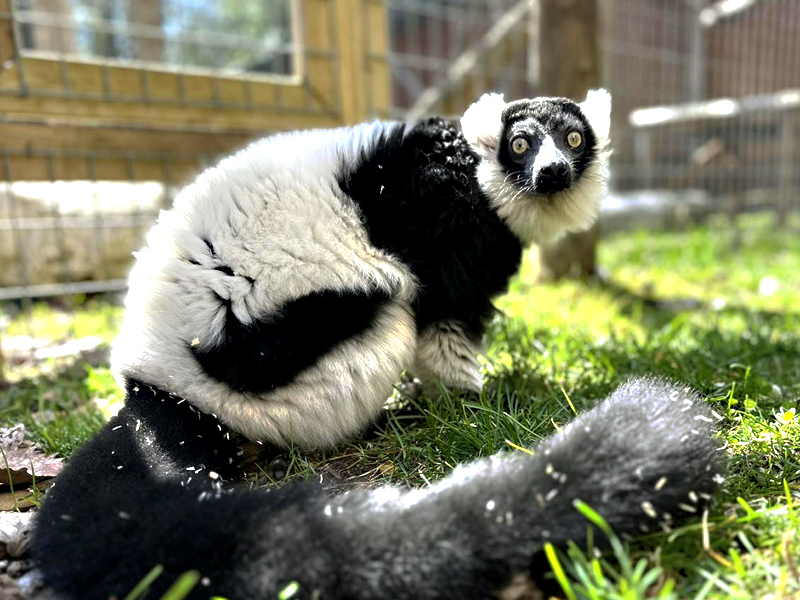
22	499
22	460
15	529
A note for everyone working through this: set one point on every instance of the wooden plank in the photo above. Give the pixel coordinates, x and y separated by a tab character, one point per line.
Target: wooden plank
125	82
380	88
319	66
264	95
199	88
377	47
64	135
82	78
294	98
316	27
231	92
6	35
129	113
113	82
377	28
73	168
162	86
352	65
41	168
320	71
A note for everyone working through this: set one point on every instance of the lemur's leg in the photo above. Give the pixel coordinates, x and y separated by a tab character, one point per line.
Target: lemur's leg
447	353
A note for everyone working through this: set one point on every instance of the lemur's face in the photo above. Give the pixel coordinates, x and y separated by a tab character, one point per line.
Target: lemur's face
543	161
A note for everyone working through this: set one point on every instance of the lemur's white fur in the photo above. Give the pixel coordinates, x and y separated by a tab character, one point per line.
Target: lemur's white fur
446	354
571	210
275	214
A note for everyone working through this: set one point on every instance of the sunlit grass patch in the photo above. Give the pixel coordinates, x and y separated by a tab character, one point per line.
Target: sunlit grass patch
715	307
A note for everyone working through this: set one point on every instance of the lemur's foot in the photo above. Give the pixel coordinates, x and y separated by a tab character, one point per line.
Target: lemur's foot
278	467
470	383
409	388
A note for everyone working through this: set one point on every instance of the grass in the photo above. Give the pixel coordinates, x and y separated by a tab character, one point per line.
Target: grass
715	307
61	403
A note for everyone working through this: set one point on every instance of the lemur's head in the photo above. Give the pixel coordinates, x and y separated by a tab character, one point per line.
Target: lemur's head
543	161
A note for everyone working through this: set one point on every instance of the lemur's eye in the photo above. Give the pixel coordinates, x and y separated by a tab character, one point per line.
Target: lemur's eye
574	139
520	145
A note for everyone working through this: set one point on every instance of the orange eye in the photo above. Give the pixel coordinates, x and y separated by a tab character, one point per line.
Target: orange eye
574	139
520	145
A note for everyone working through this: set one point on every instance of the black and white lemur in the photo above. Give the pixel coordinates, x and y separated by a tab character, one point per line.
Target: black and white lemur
281	298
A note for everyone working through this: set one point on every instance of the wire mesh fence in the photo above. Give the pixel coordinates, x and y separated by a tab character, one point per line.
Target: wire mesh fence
109	106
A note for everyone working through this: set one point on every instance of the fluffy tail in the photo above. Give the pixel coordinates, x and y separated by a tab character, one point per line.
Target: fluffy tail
145	493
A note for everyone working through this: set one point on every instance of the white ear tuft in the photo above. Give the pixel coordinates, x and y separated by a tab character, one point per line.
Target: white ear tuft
597	110
482	124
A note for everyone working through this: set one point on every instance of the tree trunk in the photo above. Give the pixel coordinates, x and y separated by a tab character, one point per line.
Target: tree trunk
569	58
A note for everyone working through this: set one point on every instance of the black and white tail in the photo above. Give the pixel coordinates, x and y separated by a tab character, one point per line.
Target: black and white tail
145	492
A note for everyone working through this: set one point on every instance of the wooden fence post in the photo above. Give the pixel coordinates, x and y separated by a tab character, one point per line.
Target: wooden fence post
569	66
362	44
7	52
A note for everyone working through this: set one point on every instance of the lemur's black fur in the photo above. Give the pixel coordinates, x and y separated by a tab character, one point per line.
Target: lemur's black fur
268	353
148	490
421	202
145	492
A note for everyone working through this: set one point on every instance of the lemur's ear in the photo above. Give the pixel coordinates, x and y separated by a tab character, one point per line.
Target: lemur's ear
482	124
597	110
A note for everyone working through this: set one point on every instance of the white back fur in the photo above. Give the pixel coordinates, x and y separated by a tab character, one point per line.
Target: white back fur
574	209
274	213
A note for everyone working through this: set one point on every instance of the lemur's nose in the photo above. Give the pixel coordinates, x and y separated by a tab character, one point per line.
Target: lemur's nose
552	178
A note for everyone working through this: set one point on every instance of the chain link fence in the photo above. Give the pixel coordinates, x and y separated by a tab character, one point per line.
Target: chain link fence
108	107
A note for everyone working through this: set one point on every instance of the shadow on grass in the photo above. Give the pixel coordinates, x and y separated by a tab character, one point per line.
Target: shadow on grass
656	312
